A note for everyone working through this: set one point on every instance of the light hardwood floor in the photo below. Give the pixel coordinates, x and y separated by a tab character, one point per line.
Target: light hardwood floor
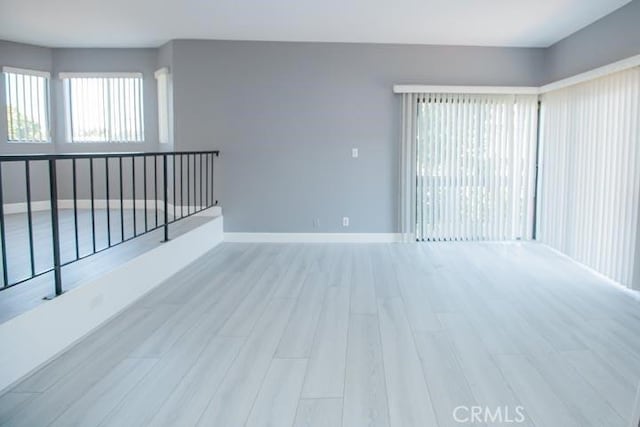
353	335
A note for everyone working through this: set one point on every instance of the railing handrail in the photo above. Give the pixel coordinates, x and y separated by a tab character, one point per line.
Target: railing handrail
199	178
71	156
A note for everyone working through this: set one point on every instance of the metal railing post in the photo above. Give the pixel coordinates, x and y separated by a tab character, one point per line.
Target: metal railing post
55	226
165	175
3	238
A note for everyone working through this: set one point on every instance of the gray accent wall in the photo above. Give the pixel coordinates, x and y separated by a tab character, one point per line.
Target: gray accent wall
286	116
612	38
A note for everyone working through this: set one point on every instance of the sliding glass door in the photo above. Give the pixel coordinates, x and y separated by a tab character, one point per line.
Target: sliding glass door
475	166
590	173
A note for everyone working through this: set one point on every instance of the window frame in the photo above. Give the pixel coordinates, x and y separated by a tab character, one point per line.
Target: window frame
47	103
66	77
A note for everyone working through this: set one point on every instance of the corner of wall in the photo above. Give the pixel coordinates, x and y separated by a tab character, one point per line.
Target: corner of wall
613	37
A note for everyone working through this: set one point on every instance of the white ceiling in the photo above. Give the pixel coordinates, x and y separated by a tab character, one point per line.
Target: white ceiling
127	23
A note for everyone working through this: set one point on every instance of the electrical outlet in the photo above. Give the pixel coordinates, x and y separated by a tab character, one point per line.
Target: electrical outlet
354	153
345	221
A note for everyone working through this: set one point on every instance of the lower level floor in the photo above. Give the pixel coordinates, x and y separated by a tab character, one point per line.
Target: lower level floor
433	334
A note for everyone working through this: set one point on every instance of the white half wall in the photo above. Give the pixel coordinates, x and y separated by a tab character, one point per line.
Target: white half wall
35	337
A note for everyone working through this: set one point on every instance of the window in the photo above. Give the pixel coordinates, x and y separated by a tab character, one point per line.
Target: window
104	107
475	166
27	95
590	175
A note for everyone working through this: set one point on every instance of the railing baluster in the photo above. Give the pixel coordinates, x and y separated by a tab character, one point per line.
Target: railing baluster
155	185
121	201
133	193
206	180
75	206
213	194
144	169
166	197
200	181
27	173
173	158
181	186
195	183
3	241
106	173
188	186
93	206
55	227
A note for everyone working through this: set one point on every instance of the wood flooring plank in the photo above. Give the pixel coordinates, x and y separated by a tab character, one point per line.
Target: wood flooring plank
408	396
614	388
365	393
268	273
326	368
363	292
278	398
587	404
189	399
319	413
485	379
232	402
444	376
297	339
384	272
540	402
94	406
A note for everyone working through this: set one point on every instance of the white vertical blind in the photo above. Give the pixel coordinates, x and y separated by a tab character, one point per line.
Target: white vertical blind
27	97
590	173
104	109
476	158
163	79
407	202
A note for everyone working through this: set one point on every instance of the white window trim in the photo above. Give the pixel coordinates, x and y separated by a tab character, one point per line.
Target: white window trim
479	90
67	103
165	106
47	107
36	73
72	75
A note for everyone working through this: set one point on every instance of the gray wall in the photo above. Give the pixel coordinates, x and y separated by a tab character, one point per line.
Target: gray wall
613	37
286	115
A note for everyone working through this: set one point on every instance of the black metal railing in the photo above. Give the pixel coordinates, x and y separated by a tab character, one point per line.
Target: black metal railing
107	192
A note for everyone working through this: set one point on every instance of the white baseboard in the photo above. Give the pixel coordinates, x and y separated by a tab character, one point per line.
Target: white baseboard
313	237
35	337
36	206
45	205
